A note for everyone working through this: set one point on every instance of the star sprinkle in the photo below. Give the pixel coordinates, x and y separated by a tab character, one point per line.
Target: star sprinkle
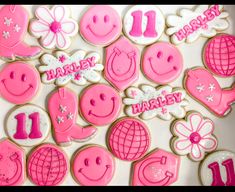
200	88
62	58
6	34
17	28
63	108
210	98
211	87
60	119
7	21
70	116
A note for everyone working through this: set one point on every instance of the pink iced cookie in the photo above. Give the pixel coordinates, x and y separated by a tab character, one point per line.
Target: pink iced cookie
93	165
122	63
13	27
162	63
202	86
47	165
100	104
63	109
129	139
12	164
219	55
19	82
100	25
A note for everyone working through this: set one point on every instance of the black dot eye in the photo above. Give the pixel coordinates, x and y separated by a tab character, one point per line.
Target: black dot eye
159	54
86	162
23	77
106	18
102	96
12	75
95	18
92	102
98	161
169	59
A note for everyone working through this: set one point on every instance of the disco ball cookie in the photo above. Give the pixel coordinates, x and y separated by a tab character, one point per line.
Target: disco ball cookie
218	169
100	25
162	63
28	125
144	24
19	82
193	136
54	27
79	68
219	55
129	139
13	28
203	21
47	165
148	102
12	164
93	165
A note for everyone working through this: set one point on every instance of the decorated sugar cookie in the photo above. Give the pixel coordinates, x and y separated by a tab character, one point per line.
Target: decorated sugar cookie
13	27
54	27
158	168
218	169
203	21
47	165
203	87
63	109
219	55
28	125
100	25
122	63
12	164
194	136
149	102
78	68
144	24
93	166
129	139
19	82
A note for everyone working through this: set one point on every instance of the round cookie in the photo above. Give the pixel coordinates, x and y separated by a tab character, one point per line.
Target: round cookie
144	24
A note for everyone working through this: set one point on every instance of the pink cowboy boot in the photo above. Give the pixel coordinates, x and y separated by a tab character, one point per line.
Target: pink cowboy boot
63	109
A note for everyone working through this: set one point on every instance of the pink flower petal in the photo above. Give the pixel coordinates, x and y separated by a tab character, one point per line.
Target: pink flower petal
196	152
39	28
206	128
43	13
48	40
61	40
208	144
195	121
69	27
180	129
59	13
182	146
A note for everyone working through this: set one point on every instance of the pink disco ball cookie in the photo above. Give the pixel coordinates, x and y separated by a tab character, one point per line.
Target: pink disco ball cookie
219	55
129	139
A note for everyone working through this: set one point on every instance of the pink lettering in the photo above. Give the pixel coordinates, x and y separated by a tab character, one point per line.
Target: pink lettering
209	15
150	28
91	61
145	106
187	30
84	64
153	104
50	74
169	99
136	30
178	97
136	108
67	69
180	35
215	9
195	25
35	129
59	72
203	21
161	102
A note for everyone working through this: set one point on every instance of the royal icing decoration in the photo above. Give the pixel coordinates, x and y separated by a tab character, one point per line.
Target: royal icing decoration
158	168
202	86
78	68
63	109
219	55
144	24
54	27
93	165
218	169
13	27
28	125
47	165
204	21
129	139
122	63
148	102
12	164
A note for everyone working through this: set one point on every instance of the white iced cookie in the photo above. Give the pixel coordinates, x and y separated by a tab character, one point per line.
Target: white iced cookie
78	68
144	24
218	169
28	125
148	102
189	25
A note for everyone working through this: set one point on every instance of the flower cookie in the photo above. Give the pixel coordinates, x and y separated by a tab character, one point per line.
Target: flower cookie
162	63
12	164
129	139
203	21
78	68
193	136
54	27
100	104
149	102
28	125
218	169
100	25
144	24
19	82
203	87
13	27
47	165
93	165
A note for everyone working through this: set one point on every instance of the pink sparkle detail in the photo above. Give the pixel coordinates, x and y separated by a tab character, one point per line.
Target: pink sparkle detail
133	93
164	110
77	76
62	59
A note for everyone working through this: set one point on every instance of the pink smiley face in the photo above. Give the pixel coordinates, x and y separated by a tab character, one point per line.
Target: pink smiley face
100	104
162	63
19	82
100	25
93	165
